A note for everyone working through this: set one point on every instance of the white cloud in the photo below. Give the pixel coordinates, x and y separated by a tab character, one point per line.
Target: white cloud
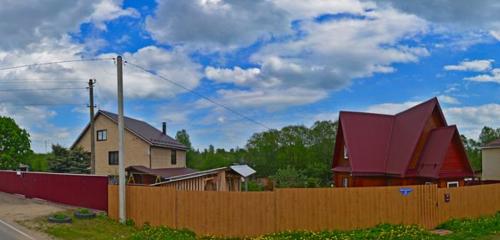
390	108
471	119
31	21
327	56
448	99
271	99
236	75
216	24
461	15
174	64
314	8
493	76
333	53
473	65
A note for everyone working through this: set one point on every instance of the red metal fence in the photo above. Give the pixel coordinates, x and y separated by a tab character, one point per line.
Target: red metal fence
73	189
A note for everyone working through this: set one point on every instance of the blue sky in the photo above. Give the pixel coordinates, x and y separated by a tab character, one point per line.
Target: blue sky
279	62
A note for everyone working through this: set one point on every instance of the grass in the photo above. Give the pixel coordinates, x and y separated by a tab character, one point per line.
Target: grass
104	228
99	228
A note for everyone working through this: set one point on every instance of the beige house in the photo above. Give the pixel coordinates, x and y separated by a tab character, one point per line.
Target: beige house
491	161
144	145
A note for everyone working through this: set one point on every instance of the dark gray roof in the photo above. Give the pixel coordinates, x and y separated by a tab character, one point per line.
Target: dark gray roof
493	144
147	132
163	172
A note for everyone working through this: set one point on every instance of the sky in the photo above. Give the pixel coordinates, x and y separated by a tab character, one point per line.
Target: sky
277	62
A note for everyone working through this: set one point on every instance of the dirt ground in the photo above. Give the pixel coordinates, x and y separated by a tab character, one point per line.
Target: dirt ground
14	208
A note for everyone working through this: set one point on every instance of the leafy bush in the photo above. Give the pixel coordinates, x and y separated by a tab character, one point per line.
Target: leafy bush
162	233
253	186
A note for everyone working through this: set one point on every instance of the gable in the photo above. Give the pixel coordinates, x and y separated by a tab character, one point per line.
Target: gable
444	155
103	123
407	130
435	121
456	163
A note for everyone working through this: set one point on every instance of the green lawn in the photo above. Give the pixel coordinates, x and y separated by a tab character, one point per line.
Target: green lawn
104	228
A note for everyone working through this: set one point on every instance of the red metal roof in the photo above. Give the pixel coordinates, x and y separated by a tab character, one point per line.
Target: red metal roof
381	144
366	141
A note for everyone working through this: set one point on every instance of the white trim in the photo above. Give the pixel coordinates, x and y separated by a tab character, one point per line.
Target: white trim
346	156
452	183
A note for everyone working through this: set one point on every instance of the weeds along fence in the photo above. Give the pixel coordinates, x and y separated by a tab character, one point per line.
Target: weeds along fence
238	214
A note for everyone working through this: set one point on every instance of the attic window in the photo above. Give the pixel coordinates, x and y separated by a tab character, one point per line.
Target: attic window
102	135
345	153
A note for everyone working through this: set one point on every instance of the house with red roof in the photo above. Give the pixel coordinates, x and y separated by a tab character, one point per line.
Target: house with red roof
415	146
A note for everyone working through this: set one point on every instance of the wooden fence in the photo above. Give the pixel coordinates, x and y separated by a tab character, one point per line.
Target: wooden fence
237	214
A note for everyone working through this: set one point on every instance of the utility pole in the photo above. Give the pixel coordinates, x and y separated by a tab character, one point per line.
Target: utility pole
92	126
121	138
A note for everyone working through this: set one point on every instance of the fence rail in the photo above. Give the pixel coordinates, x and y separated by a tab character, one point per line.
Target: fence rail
237	214
72	189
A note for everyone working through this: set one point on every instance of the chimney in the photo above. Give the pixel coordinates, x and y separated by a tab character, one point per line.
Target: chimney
164	128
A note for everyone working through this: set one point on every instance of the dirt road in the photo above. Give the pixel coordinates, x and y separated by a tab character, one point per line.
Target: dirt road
15	208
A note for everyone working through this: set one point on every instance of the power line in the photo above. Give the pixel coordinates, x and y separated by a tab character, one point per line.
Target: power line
38	89
44	104
198	94
13	80
55	62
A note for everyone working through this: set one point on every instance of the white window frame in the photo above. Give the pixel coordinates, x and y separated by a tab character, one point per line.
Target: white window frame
345	153
452	183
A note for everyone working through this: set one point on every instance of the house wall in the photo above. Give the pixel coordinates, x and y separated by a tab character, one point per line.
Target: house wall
491	164
455	162
136	149
362	181
161	158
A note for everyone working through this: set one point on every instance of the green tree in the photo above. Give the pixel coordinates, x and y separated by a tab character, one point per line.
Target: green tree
15	145
472	148
183	137
289	177
64	160
488	134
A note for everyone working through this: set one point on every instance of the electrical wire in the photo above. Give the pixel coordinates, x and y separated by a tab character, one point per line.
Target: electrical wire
45	104
198	94
56	62
38	89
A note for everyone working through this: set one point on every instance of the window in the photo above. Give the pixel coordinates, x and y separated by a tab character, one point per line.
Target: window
453	184
102	135
173	157
113	158
345	182
345	153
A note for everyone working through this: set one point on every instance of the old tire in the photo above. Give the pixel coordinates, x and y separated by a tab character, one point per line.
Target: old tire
67	219
80	215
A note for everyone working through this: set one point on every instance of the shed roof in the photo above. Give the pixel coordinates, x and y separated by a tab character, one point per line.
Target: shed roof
162	172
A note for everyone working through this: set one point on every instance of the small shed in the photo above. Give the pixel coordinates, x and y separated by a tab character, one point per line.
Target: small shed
217	179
